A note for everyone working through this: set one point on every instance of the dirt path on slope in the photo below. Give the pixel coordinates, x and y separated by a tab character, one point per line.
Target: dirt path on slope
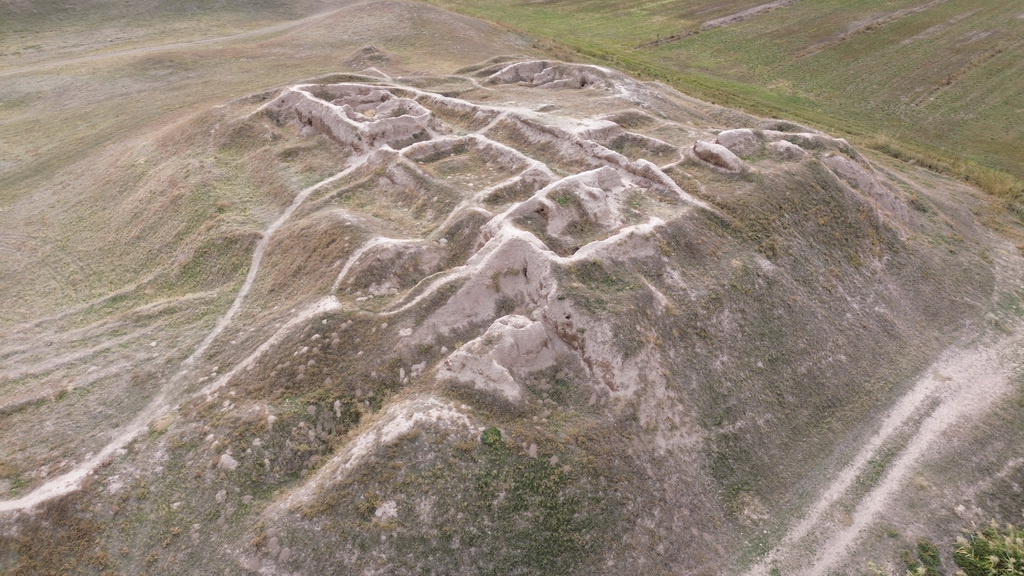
745	14
71	480
978	379
282	27
965	382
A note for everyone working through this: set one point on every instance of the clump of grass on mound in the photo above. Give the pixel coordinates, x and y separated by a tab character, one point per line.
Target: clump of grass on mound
928	562
991	552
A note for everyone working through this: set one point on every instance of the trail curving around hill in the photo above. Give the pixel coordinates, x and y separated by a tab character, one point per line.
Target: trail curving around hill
70	481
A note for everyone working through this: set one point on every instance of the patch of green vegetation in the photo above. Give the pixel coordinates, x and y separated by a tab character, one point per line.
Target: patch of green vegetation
991	551
559	384
924	560
565	199
62	537
17	484
505	305
215	261
491	437
1010	303
595	275
500	510
596	288
810	207
729	460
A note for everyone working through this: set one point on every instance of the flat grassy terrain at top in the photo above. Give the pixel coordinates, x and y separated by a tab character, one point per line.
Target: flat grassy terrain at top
940	79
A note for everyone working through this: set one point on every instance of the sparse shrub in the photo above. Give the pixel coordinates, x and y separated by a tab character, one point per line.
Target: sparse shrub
928	554
505	305
491	437
565	199
927	563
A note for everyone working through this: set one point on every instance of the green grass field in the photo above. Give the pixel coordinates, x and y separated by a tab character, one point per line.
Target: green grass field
938	81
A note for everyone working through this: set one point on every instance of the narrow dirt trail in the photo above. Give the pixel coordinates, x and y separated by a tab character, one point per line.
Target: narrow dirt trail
257	258
282	27
965	381
980	377
742	15
71	480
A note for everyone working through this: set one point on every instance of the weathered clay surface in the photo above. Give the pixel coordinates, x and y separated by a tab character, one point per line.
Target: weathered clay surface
717	155
786	150
740	141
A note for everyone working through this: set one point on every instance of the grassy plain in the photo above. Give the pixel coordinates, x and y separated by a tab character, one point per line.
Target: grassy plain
937	81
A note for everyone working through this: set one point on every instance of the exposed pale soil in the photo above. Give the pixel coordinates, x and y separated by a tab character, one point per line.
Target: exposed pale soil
744	14
965	383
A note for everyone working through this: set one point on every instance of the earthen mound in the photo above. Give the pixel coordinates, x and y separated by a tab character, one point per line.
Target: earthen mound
542	317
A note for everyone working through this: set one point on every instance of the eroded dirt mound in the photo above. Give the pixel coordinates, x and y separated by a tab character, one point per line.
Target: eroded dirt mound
541	318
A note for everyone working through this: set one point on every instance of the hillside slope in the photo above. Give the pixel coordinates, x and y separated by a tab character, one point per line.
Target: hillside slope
527	317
